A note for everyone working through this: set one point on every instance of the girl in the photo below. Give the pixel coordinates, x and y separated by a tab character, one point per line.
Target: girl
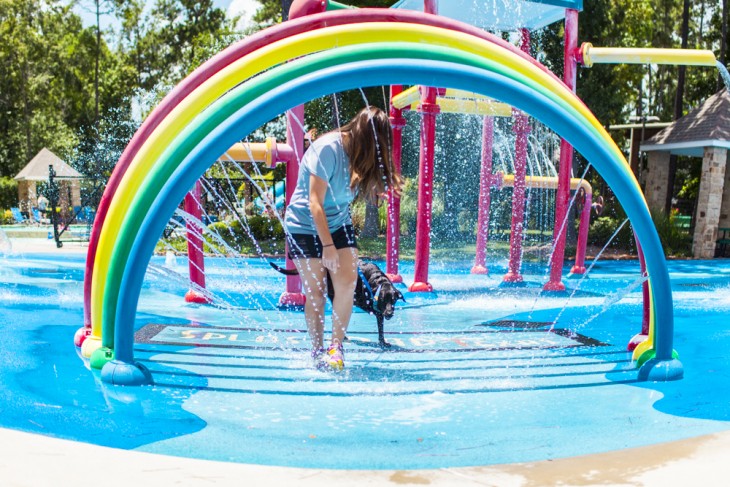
353	161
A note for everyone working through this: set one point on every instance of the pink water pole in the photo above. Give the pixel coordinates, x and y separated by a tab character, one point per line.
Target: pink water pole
293	296
196	258
392	245
485	182
566	161
585	221
429	109
646	314
521	128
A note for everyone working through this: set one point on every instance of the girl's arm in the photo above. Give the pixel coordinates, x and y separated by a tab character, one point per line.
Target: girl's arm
317	192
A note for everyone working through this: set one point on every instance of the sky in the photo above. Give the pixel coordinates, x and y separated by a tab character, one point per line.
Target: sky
245	8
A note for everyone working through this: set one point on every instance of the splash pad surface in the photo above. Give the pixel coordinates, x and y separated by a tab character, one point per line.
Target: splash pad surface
477	375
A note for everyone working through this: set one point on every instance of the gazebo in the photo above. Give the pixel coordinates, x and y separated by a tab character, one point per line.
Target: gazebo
38	170
703	132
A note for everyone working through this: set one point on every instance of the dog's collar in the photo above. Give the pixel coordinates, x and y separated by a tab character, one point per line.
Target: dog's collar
365	282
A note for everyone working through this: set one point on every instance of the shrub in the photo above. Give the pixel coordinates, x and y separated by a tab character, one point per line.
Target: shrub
674	239
604	227
261	228
8	192
6	217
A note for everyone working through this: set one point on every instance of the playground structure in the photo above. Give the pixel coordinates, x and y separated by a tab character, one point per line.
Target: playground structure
327	51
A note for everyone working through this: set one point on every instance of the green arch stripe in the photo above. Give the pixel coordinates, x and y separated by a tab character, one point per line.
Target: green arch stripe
273	54
184	144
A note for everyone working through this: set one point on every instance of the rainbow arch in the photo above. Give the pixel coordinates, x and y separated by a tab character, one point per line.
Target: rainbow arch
333	52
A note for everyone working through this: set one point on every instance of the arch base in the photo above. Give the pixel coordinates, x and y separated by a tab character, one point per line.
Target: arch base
81	335
656	370
420	287
480	269
126	374
395	278
635	341
293	301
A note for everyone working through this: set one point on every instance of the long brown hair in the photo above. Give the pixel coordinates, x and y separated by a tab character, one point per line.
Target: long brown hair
367	140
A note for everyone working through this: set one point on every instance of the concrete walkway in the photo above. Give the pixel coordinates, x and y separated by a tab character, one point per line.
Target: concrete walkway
45	245
28	460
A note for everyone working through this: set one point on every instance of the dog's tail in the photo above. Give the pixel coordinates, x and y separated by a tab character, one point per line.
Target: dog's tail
286	272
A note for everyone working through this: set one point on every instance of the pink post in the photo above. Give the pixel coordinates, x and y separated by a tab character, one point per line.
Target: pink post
392	244
293	295
196	259
646	314
429	109
585	222
566	161
485	182
521	128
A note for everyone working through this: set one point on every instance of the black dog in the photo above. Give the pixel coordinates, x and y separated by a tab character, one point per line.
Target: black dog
376	296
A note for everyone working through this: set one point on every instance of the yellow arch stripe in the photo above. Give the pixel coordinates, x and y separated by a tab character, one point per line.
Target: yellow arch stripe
269	56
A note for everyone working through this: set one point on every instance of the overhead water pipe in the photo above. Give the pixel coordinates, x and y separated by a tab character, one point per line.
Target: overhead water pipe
454	101
392	244
588	55
270	153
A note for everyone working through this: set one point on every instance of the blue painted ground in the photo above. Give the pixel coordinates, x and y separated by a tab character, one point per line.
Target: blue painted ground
460	387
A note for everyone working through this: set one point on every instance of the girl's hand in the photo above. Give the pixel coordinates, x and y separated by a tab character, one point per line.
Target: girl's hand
330	258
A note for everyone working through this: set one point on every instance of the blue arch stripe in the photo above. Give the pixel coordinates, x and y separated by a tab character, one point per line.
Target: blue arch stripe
365	73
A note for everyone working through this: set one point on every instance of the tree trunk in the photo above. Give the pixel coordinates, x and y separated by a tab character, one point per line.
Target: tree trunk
371	226
285	6
723	42
678	106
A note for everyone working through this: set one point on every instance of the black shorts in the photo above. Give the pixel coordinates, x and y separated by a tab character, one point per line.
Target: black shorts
302	245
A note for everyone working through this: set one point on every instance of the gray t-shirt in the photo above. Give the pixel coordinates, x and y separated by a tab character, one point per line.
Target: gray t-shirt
325	158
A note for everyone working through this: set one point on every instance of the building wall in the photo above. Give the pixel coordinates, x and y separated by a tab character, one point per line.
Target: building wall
657	176
709	202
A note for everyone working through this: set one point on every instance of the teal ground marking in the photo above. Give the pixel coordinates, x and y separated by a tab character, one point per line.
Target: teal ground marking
452	341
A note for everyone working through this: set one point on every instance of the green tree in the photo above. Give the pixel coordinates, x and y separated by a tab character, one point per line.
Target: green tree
46	85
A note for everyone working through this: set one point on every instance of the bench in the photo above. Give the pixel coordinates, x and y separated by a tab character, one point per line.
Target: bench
723	242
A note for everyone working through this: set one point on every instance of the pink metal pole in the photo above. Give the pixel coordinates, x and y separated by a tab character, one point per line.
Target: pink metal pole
196	259
646	313
293	296
392	244
521	129
485	182
429	109
566	161
585	222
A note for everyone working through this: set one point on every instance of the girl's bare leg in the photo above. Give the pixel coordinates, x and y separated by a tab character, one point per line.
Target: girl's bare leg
314	283
344	281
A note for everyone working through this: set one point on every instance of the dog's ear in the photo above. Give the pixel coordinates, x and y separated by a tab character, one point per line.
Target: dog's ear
399	295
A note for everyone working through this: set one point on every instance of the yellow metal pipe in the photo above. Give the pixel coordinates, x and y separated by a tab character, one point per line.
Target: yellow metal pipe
406	97
472	107
268	152
547	182
623	55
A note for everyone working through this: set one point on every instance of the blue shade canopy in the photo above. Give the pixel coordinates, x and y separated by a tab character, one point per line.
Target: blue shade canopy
500	15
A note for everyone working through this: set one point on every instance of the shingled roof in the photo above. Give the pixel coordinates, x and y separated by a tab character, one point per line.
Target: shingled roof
37	168
706	126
